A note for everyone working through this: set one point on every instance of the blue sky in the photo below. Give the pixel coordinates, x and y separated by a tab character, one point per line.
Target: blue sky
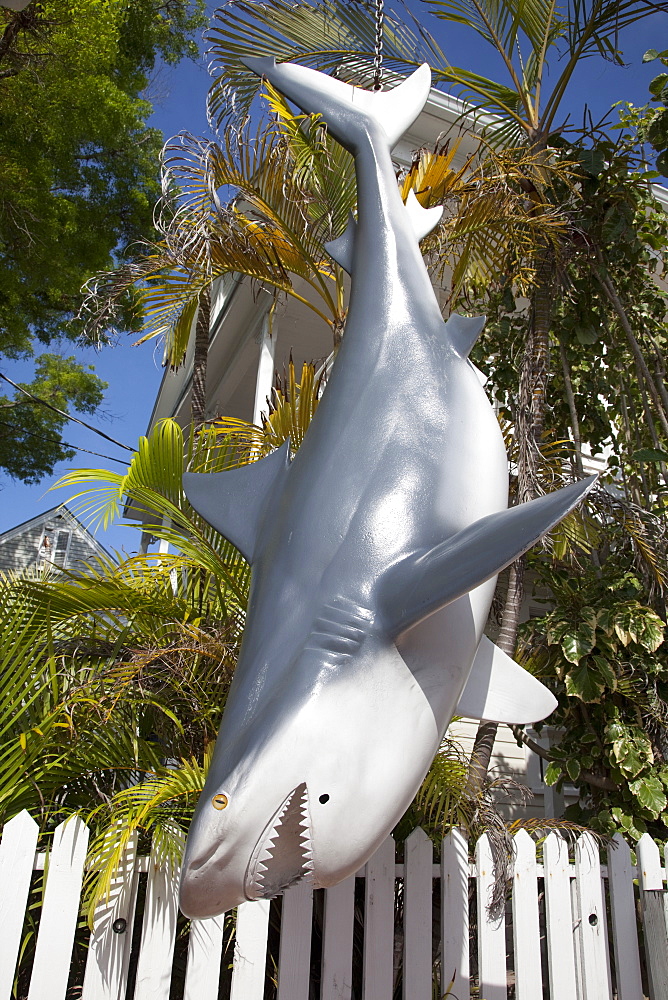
179	95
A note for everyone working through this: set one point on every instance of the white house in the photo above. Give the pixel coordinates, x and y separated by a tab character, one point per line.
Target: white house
56	538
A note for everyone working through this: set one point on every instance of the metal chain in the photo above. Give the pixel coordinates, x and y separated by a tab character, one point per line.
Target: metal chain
378	49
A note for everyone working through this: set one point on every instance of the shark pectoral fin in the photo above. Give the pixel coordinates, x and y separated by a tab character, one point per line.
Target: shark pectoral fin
422	219
422	583
463	331
501	690
482	378
341	250
232	502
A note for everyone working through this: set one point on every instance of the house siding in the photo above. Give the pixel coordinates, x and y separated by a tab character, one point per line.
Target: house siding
20	547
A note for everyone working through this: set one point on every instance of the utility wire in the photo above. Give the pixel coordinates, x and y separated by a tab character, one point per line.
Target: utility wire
67	416
65	444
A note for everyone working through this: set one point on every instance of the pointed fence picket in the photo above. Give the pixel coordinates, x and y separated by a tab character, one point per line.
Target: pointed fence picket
591	920
294	961
17	857
154	969
418	879
109	945
205	950
379	924
337	944
455	916
589	916
623	914
250	949
60	910
491	928
559	918
652	896
526	923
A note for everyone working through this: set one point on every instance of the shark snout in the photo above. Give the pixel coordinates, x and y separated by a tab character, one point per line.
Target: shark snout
217	874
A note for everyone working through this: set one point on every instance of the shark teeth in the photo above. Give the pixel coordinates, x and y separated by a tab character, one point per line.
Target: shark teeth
284	854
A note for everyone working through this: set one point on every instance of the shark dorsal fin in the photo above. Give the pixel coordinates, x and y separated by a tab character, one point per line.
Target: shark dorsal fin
342	248
423	219
233	501
501	690
463	331
422	583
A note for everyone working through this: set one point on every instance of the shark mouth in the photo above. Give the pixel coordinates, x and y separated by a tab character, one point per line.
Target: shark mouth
284	853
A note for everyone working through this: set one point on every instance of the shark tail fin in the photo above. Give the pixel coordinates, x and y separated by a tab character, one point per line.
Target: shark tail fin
346	110
397	109
422	583
233	502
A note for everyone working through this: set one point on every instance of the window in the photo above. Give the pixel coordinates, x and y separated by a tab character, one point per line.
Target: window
54	545
61	547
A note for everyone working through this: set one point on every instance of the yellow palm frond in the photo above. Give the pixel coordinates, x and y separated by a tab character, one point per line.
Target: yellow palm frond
290	411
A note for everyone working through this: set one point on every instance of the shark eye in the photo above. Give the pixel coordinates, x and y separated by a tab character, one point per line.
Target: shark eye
219	801
324	798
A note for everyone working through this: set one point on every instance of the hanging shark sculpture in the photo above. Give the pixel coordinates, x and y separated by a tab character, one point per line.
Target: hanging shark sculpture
374	557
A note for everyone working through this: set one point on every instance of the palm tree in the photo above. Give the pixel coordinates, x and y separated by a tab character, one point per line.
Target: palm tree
108	674
259	204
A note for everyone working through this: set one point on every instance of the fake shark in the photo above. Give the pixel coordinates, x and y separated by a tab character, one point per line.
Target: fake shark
374	557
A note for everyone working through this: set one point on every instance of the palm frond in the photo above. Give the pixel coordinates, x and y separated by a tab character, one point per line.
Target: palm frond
157	806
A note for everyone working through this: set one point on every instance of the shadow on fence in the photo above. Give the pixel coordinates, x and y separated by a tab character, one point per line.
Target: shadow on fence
570	928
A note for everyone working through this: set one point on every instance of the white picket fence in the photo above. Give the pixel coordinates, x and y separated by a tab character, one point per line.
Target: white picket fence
574	929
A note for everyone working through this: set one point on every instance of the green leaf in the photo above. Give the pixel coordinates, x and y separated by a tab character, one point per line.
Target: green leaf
606	671
577	644
650	55
592	160
650	455
658	84
632	755
584	683
651	632
552	773
588	334
573	768
650	794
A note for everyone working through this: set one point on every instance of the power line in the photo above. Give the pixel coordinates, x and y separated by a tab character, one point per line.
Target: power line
65	444
67	416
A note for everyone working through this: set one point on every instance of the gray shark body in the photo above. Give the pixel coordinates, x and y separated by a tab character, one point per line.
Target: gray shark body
374	554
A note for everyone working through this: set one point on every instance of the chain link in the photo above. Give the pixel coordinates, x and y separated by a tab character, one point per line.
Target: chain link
378	50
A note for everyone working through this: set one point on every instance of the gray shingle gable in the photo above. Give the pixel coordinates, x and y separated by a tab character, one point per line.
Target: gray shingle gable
56	536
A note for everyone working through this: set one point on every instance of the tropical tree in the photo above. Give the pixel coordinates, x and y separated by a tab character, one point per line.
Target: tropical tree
78	182
655	127
262	203
127	665
602	649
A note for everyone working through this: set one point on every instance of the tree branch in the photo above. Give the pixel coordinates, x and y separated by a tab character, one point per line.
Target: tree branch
615	302
597	780
25	20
